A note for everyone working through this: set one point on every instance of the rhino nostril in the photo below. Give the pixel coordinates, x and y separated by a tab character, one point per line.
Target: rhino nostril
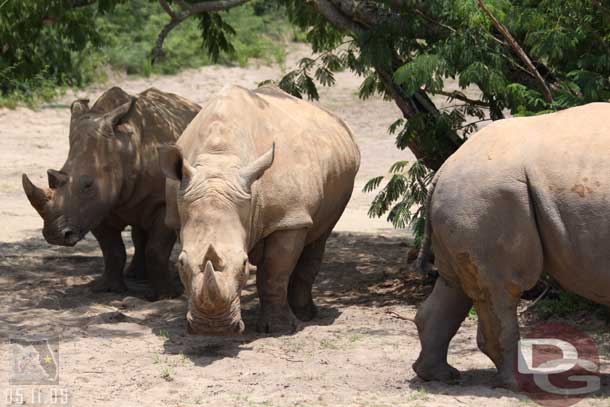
68	234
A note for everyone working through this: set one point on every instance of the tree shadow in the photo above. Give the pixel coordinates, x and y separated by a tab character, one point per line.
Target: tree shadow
53	282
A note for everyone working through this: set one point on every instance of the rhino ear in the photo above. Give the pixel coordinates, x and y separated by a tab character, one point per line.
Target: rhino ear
56	178
112	118
257	168
173	164
79	107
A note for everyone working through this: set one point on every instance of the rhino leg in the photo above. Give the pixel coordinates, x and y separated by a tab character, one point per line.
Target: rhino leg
302	279
137	267
498	335
281	254
159	246
113	250
437	320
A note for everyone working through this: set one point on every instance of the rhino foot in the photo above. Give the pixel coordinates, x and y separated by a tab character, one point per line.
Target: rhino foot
506	381
276	319
135	272
305	313
442	372
104	286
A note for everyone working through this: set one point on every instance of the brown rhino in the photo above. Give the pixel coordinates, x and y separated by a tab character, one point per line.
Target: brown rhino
112	179
259	177
521	197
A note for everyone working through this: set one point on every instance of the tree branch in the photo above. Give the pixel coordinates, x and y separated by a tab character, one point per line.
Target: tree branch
336	18
187	10
168	9
211	6
343	17
548	96
459	96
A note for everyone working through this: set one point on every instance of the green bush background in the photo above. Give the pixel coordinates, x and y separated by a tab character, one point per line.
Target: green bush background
46	49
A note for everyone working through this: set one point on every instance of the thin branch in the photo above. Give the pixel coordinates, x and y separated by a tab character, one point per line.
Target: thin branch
474	123
168	9
541	296
459	96
187	10
330	12
212	6
431	20
396	315
518	50
156	51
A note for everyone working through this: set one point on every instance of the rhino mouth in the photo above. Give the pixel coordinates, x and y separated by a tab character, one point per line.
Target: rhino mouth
62	233
227	323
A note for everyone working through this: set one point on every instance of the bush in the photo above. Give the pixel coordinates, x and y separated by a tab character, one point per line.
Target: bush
48	46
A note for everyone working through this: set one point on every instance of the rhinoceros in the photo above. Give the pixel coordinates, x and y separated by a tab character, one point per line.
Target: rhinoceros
111	179
256	181
521	197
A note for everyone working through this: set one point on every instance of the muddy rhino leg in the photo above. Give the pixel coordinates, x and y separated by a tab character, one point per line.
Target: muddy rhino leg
282	250
437	320
302	279
137	267
498	334
113	250
163	280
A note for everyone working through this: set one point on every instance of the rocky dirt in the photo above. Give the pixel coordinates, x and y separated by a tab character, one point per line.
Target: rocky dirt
119	350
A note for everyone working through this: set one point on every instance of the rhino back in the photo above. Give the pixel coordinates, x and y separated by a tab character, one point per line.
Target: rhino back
546	173
316	157
161	116
158	118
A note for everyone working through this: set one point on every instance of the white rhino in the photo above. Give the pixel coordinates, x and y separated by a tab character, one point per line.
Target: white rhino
260	178
521	197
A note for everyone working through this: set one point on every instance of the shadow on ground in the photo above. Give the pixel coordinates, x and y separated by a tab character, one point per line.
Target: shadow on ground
47	288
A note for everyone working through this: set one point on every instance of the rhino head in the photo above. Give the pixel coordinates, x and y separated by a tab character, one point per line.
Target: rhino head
214	205
82	193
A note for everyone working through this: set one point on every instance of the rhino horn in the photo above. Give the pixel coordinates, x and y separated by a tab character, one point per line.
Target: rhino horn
37	196
211	292
56	178
113	117
255	169
213	256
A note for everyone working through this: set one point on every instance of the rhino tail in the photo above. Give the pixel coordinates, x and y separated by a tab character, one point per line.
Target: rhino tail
422	263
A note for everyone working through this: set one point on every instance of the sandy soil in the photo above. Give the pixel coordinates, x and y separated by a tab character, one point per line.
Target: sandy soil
123	351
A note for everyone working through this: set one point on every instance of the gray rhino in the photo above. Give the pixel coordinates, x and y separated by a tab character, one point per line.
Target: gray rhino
521	197
259	177
111	179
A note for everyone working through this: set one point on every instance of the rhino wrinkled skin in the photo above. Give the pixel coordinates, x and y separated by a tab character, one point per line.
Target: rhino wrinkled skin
111	179
521	197
256	182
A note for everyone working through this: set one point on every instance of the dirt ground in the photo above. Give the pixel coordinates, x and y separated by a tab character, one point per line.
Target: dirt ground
119	350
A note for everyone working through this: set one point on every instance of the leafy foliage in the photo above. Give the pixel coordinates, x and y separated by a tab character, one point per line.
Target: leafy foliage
36	62
42	41
423	43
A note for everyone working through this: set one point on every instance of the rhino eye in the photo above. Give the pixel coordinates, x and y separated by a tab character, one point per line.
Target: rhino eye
86	183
